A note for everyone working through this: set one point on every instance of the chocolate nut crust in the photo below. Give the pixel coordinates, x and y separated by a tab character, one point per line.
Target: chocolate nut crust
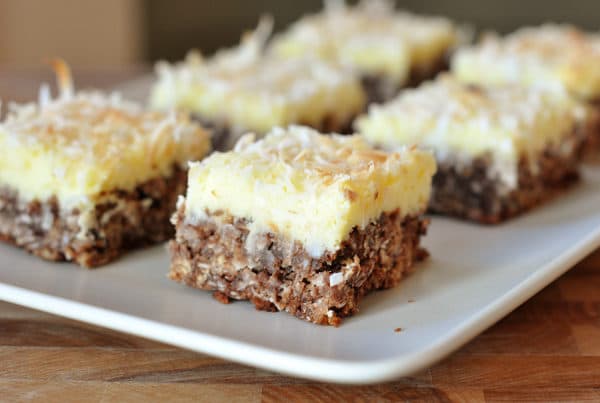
471	192
123	221
278	275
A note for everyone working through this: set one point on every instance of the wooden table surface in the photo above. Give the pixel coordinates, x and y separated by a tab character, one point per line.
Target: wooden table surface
546	350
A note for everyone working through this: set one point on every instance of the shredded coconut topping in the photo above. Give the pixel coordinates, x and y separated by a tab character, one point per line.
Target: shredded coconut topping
93	126
83	143
470	121
550	43
247	68
379	18
331	158
551	54
246	87
359	37
514	108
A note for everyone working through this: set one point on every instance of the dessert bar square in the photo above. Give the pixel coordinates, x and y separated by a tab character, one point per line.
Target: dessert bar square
246	89
500	150
548	55
87	176
302	222
389	49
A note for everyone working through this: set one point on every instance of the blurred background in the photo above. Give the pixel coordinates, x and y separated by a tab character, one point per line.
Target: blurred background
115	33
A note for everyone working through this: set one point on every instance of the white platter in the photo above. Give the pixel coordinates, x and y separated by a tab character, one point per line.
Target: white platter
475	276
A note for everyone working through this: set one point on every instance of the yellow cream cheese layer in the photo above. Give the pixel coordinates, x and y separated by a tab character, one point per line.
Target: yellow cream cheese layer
78	146
458	120
309	187
371	37
248	90
549	55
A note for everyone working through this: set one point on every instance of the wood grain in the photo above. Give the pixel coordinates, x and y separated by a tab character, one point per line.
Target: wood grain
546	350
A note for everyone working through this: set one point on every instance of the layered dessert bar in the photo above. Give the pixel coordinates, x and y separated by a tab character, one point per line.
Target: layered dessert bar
244	89
500	150
87	176
389	49
302	222
549	55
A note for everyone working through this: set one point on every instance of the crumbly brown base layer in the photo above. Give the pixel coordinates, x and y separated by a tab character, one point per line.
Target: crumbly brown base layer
470	192
126	220
379	89
281	276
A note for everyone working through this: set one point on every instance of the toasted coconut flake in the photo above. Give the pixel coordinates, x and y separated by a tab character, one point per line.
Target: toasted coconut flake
301	155
194	57
332	158
334	6
262	32
64	78
245	141
378	7
44	97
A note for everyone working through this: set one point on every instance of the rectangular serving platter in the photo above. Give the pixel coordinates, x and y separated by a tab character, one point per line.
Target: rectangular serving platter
475	276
